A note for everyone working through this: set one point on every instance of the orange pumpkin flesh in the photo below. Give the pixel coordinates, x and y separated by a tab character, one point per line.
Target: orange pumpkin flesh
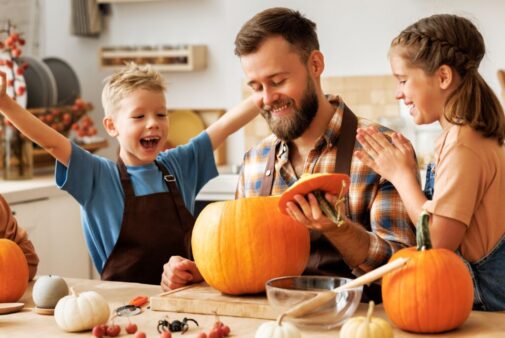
327	182
432	293
13	271
239	245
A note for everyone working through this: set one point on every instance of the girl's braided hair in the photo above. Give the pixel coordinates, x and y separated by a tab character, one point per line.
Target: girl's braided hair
451	40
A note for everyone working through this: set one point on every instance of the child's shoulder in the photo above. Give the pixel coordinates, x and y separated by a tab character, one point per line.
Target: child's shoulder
466	135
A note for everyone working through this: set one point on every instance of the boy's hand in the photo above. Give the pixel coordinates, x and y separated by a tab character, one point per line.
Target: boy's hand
179	272
3	85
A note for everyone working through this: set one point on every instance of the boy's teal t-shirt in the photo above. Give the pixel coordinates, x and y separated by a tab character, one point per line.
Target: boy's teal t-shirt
94	182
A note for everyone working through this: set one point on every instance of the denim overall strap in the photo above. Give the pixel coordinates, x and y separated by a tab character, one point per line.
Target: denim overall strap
429	184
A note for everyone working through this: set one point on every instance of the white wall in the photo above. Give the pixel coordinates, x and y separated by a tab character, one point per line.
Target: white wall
354	36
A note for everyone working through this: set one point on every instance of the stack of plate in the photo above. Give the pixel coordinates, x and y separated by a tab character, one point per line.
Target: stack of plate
67	82
50	82
40	84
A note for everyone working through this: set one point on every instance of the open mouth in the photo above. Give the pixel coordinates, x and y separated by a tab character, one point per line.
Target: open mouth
150	142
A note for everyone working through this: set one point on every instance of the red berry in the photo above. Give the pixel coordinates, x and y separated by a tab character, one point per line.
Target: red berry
98	331
21	90
166	334
140	334
113	330
131	328
215	333
16	52
226	330
201	335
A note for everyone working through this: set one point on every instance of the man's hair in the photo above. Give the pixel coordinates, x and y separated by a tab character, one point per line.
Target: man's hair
128	79
296	29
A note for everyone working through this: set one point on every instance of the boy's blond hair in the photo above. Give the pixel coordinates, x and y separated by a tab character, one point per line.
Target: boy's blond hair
130	78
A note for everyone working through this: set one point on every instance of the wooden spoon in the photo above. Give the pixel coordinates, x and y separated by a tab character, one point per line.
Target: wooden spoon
323	297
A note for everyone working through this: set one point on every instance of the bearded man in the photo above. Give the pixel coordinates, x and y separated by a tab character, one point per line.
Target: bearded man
311	133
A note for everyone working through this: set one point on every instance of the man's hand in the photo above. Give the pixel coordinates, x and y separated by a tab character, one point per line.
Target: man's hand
306	210
179	272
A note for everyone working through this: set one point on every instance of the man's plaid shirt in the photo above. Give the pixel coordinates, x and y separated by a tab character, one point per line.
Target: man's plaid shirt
373	201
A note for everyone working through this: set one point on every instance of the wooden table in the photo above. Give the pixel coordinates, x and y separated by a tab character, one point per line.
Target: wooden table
27	323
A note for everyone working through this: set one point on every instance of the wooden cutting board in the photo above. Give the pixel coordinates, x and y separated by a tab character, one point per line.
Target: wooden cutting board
203	299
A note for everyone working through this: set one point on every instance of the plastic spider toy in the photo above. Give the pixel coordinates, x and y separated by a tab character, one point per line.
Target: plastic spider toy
175	326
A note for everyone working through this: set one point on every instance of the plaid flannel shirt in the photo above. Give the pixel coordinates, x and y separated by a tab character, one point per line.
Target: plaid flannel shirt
373	201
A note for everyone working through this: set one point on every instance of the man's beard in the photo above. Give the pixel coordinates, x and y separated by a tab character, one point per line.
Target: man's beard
288	128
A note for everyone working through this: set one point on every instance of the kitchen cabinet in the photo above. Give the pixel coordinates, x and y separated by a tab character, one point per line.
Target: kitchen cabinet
54	227
162	58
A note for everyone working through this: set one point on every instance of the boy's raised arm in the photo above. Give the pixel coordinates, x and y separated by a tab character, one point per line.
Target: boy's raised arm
52	141
231	121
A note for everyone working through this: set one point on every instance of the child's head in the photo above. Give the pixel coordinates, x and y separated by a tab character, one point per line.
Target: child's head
128	79
135	113
453	43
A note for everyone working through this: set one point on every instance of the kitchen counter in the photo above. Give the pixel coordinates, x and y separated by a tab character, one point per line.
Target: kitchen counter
27	323
41	187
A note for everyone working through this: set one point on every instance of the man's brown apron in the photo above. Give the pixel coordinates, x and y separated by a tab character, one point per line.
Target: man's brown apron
154	228
325	259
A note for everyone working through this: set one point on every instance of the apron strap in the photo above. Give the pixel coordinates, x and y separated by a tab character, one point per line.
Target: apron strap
346	141
125	179
267	181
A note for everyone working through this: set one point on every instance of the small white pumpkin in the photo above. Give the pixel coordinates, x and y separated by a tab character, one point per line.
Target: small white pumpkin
366	327
278	329
79	312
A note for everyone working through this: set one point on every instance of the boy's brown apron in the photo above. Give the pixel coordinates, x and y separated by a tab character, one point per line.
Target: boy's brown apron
324	257
154	228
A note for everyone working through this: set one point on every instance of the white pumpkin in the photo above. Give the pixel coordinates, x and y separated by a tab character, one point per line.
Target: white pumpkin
79	312
278	329
366	327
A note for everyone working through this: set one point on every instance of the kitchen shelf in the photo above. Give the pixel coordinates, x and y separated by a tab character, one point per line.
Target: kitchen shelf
165	58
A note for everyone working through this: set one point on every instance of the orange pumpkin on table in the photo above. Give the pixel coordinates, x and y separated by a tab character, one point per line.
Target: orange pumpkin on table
13	271
239	245
433	292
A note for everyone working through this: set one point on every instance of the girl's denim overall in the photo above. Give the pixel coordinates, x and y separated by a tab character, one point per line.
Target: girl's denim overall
488	273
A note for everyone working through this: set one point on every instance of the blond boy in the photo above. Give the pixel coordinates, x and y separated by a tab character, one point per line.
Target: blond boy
136	213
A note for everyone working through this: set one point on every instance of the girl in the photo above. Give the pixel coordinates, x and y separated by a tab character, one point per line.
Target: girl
436	62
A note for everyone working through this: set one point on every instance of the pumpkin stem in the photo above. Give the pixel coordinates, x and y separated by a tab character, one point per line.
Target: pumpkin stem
330	211
370	311
279	319
72	291
423	232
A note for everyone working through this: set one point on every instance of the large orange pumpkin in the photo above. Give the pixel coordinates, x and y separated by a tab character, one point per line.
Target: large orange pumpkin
433	292
239	245
13	271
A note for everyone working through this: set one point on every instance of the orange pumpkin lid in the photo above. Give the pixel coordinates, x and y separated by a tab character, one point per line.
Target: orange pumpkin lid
328	182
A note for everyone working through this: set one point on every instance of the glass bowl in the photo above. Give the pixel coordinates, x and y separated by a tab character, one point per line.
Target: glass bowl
285	292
